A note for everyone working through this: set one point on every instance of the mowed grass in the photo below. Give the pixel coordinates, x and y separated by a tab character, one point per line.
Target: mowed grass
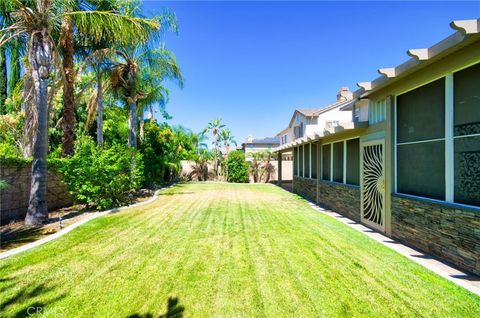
223	250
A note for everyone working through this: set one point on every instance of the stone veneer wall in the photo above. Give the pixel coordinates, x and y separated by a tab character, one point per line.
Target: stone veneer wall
448	231
305	187
14	199
341	198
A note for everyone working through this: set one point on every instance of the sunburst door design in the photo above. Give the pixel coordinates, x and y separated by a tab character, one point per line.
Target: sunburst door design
373	184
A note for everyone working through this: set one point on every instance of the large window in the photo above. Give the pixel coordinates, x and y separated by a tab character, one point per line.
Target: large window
314	160
307	160
466	145
326	158
300	160
338	162
438	139
420	134
341	161
295	161
353	161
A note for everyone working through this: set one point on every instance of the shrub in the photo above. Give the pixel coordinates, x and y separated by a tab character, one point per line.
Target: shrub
237	167
102	177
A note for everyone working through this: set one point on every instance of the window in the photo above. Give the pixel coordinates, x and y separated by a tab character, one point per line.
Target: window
326	156
353	161
444	158
466	145
307	160
300	160
421	133
338	162
377	111
298	131
314	161
295	161
345	167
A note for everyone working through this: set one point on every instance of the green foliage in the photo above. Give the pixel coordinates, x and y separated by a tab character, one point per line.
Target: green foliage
237	167
162	149
11	129
102	177
3	184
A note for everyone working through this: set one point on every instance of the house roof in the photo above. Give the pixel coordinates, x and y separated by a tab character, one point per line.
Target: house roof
267	140
467	32
315	112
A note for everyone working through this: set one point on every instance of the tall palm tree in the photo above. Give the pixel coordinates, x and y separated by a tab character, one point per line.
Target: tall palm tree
37	22
227	139
68	25
137	67
214	126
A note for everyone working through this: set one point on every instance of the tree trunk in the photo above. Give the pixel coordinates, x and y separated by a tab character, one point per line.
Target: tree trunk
99	108
132	124
14	72
3	80
68	116
40	58
142	129
30	126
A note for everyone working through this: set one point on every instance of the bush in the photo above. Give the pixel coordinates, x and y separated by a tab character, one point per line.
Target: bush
237	167
102	177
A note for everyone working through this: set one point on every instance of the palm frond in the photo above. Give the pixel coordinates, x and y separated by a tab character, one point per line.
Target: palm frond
110	26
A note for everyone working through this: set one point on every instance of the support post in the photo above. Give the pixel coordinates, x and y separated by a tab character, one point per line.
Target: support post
279	168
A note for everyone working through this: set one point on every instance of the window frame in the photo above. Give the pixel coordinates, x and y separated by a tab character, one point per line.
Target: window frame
449	138
345	154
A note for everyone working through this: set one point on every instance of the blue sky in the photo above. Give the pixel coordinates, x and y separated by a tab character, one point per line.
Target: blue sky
252	63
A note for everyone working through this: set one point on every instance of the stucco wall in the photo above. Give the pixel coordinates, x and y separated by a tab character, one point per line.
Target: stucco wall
448	231
14	199
341	198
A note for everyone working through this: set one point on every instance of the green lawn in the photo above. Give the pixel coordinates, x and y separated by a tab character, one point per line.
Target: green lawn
224	250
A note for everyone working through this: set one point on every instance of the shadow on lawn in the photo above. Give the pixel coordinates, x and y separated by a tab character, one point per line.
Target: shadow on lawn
174	310
30	304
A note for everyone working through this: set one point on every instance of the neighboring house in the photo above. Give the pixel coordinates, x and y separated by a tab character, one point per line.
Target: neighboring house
407	162
252	145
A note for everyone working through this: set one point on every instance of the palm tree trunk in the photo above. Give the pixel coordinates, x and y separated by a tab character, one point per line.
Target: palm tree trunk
40	62
142	129
30	126
132	124
99	108
3	80
68	117
14	65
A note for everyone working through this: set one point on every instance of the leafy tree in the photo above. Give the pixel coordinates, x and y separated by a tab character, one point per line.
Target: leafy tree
237	167
39	21
136	73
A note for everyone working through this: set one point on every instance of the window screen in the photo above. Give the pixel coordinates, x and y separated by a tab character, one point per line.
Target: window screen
295	161
338	162
314	161
467	101
307	161
421	169
421	113
467	170
300	160
326	162
353	161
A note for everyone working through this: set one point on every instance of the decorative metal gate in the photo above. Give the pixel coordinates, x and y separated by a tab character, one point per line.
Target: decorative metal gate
373	184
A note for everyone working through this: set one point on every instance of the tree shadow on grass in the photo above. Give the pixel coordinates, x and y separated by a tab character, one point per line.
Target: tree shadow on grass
29	297
174	310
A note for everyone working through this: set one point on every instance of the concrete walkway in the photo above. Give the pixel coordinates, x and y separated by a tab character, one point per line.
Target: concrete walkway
463	279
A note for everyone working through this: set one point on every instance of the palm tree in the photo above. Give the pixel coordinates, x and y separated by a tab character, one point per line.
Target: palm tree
38	22
227	138
136	68
214	126
69	24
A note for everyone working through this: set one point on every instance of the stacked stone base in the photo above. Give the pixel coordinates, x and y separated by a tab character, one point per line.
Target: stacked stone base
450	232
341	198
